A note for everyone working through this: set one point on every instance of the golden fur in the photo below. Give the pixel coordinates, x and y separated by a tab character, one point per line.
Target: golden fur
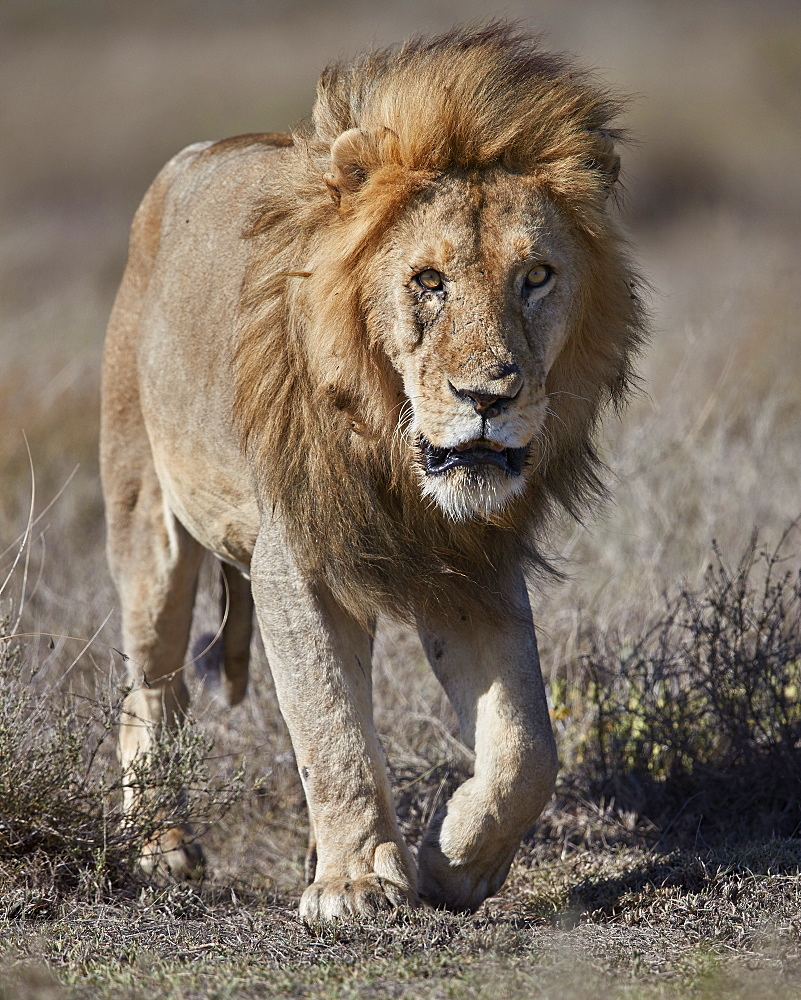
464	102
372	401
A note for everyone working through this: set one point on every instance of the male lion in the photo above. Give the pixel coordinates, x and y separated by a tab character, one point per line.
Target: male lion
361	364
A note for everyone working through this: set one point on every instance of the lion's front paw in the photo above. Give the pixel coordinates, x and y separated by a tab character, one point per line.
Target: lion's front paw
176	852
460	886
341	898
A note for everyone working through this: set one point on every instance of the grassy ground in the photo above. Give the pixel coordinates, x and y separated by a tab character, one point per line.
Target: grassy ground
624	923
668	863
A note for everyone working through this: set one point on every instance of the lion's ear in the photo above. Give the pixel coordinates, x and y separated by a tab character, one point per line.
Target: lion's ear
348	164
606	159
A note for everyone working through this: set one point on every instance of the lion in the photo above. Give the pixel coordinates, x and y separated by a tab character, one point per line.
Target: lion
363	365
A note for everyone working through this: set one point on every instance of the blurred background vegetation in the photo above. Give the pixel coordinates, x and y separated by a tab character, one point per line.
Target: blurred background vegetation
95	96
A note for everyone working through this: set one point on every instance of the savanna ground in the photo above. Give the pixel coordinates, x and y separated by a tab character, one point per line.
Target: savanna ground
668	862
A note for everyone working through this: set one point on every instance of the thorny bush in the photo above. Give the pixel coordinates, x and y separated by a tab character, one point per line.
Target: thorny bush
61	790
697	724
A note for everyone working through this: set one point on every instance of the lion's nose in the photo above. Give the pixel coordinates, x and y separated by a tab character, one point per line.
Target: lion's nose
482	402
489	400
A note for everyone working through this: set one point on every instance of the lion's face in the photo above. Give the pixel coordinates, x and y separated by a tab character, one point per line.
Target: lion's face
474	300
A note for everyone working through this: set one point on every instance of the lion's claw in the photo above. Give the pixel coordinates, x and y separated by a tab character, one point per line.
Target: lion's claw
349	899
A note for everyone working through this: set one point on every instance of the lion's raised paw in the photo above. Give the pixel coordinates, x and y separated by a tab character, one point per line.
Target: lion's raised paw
461	888
352	899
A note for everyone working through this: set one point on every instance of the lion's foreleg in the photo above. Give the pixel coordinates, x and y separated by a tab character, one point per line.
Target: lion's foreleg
492	677
320	659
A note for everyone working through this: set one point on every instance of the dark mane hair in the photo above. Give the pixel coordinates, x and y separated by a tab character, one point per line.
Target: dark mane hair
319	405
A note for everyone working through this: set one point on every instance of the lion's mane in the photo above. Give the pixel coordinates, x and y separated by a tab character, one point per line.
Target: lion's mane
319	406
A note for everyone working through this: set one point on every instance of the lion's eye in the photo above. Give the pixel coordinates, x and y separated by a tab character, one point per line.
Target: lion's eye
430	280
538	276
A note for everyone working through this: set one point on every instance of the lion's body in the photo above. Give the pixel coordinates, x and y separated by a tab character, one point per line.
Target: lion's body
186	322
361	368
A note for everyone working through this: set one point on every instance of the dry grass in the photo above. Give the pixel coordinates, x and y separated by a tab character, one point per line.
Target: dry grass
627	925
628	887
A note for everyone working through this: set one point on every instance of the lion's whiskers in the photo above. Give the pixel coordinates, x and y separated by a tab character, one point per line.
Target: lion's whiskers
570	395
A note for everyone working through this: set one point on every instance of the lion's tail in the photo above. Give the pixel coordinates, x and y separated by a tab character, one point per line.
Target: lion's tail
227	657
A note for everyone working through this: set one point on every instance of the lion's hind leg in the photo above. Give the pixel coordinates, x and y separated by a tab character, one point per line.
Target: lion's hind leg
157	590
155	565
226	656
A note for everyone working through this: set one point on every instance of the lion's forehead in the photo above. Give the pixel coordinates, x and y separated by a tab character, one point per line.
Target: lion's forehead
490	223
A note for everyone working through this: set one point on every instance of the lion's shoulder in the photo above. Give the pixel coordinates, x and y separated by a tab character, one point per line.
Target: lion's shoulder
239	154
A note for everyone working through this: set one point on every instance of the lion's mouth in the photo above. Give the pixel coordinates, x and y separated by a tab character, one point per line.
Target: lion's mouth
439	460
